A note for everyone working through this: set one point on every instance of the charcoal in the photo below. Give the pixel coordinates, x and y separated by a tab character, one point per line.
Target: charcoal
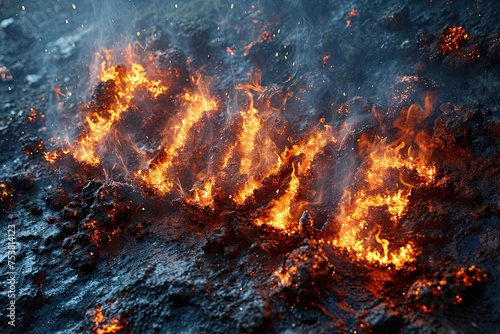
383	318
31	144
104	97
465	124
83	254
93	237
57	198
216	241
254	316
306	268
494	127
461	60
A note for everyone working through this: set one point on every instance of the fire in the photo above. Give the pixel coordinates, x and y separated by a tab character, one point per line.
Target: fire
124	82
203	197
55	155
380	201
279	215
309	147
114	326
159	175
250	128
246	160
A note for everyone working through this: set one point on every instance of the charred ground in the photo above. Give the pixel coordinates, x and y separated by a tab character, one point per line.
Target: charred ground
99	253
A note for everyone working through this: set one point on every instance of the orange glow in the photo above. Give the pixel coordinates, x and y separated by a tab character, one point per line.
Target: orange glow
55	155
364	215
265	37
5	73
354	12
203	197
453	38
309	148
250	128
5	193
114	325
279	215
127	81
325	60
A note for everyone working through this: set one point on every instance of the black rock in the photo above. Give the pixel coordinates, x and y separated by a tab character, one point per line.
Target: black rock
396	18
384	319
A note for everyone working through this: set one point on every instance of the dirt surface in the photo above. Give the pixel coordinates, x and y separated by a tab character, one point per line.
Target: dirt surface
159	265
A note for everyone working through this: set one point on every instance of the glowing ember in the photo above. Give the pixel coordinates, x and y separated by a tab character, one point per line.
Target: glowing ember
452	39
113	326
354	12
33	115
5	74
55	155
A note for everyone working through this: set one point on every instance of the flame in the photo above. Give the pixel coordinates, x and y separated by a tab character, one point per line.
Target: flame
101	328
309	148
53	156
203	196
127	81
379	192
250	128
279	215
159	176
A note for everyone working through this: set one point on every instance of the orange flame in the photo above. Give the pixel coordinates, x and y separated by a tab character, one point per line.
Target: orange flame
309	148
360	231
279	215
203	196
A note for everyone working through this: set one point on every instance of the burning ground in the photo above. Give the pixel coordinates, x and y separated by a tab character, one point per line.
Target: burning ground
256	167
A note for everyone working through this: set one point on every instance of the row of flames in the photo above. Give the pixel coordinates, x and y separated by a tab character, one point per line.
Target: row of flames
252	158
